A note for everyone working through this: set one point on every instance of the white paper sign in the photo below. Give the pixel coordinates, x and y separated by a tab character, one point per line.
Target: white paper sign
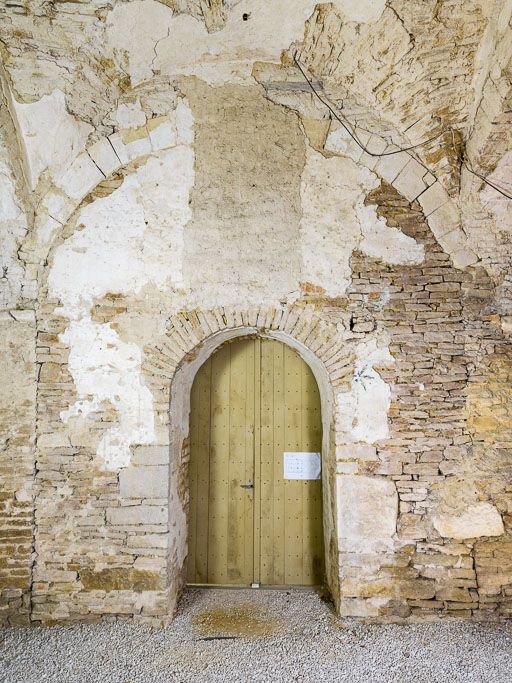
299	465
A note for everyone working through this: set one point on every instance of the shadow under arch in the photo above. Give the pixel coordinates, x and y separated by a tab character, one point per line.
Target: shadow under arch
180	391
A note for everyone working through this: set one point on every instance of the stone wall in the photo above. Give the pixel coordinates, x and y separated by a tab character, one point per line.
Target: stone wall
17	444
168	181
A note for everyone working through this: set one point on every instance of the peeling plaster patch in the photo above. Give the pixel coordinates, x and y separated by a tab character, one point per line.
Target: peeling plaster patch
52	137
481	519
331	189
387	243
134	30
140	29
335	222
13	227
109	370
363	412
500	206
131	238
130	115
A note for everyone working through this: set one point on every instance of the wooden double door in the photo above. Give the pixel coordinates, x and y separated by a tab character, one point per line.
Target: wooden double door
252	402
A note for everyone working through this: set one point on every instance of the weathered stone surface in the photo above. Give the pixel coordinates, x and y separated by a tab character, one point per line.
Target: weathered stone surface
367	513
481	519
120	579
18	372
144	482
139	514
168	181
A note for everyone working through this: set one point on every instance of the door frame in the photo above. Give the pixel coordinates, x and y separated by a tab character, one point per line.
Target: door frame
255	373
180	449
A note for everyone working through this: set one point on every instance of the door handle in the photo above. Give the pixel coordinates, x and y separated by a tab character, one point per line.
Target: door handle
250	485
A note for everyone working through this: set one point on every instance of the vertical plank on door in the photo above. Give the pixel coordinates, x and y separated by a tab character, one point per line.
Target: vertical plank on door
311	437
279	446
293	488
249	474
219	459
257	461
241	463
267	455
236	463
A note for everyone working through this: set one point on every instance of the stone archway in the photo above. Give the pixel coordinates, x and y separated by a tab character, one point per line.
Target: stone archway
332	353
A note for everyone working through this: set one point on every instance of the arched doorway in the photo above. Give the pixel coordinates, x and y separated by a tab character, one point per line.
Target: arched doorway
255	511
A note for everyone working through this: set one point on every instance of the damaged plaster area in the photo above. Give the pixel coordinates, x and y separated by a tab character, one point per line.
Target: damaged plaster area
129	239
335	222
153	40
301	228
362	412
13	227
52	137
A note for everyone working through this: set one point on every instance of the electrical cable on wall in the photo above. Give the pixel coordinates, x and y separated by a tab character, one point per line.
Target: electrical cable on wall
350	129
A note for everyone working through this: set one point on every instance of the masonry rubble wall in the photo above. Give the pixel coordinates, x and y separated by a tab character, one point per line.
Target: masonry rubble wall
155	202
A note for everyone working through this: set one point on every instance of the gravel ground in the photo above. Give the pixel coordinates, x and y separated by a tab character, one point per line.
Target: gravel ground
243	635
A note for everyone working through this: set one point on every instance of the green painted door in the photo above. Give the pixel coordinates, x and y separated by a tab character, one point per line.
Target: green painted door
252	401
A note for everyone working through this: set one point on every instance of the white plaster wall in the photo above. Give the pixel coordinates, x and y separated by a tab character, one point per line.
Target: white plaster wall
13	227
152	39
52	137
129	239
335	222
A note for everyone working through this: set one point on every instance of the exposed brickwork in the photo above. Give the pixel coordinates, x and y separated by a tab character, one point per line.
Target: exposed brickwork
155	205
17	417
449	352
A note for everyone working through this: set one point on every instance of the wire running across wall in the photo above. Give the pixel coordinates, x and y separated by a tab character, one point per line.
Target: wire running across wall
351	130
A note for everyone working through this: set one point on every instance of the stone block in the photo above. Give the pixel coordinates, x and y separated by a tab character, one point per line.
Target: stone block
356	451
137	514
103	155
452	241
417	589
119	148
349	467
150	455
481	519
361	607
409	181
144	481
148	541
463	258
162	133
80	178
454	594
120	579
367	513
433	198
138	148
389	167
